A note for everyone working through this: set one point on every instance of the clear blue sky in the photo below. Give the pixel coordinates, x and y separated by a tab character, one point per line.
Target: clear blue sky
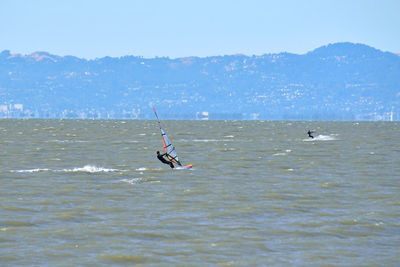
178	28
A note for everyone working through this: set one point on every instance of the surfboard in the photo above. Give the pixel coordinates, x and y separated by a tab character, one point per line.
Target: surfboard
169	148
189	166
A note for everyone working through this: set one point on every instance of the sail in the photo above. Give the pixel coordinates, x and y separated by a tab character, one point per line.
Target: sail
168	147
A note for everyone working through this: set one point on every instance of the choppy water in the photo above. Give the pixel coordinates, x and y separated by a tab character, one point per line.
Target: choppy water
92	193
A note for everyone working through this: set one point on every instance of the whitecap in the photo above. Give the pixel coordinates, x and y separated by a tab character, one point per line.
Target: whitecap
31	170
325	138
90	169
133	180
66	141
320	138
212	140
205	140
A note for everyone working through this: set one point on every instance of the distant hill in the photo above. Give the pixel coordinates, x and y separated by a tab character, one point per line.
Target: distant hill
341	81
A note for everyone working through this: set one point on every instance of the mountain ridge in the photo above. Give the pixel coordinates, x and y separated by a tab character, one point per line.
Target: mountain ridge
341	81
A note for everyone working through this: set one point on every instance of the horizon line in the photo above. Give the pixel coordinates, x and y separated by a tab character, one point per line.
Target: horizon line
186	57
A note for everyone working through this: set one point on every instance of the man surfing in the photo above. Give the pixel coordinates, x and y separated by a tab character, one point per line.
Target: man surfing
309	134
163	160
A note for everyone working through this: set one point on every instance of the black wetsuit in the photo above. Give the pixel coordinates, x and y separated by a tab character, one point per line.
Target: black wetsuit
309	134
161	158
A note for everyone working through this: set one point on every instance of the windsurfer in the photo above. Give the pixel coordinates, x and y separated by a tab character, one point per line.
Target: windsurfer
163	160
309	134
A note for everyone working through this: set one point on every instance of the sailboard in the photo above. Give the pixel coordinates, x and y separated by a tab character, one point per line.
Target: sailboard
169	148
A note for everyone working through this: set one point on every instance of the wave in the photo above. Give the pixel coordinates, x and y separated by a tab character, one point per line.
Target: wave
212	140
153	169
122	259
67	141
321	138
134	180
284	153
86	168
31	170
90	169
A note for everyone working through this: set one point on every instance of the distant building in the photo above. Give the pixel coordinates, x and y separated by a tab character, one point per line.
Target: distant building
19	107
3	109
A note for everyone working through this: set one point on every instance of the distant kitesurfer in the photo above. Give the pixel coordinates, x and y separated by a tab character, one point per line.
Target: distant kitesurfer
309	134
161	158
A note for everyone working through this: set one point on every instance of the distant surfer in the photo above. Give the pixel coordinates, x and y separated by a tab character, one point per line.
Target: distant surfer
163	160
309	134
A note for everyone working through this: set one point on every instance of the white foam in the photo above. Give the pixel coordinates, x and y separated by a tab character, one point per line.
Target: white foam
67	141
133	181
325	138
212	140
183	168
31	171
90	169
86	168
321	138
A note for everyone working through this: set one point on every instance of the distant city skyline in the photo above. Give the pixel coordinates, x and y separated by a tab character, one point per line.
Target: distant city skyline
94	29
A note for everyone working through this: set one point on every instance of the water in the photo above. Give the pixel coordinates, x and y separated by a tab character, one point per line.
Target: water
92	193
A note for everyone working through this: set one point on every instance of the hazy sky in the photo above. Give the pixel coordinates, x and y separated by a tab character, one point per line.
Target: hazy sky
178	28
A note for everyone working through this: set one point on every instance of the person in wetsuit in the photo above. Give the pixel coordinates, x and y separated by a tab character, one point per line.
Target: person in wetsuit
163	160
309	134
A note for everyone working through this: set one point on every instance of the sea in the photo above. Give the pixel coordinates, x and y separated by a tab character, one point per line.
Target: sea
260	193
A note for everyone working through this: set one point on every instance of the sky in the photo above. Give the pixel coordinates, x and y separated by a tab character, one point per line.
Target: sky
181	28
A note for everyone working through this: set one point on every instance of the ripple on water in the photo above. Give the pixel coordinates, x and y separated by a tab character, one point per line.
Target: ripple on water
122	259
260	194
